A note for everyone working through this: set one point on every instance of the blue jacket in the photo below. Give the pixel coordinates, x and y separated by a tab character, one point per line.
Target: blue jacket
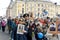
9	22
13	25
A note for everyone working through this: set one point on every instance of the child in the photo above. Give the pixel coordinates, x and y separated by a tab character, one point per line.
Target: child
39	33
37	30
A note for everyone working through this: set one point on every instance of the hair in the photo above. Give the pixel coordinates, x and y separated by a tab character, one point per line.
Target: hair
13	19
38	25
53	35
53	23
48	17
40	30
26	14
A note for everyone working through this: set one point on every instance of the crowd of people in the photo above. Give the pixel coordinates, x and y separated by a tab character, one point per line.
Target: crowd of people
26	27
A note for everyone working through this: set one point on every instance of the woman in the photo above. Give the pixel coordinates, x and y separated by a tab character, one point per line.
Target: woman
3	25
21	30
37	29
13	27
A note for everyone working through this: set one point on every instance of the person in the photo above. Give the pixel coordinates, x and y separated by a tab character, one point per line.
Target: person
44	28
37	29
3	25
13	29
31	30
21	30
39	33
9	23
27	22
16	21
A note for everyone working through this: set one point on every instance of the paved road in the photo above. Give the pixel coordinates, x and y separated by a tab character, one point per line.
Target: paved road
4	35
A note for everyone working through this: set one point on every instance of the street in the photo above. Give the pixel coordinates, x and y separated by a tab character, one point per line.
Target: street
4	35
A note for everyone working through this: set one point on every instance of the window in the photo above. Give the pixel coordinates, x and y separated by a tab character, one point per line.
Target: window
35	5
42	5
27	0
38	14
27	4
27	9
48	6
22	10
22	4
33	0
38	4
38	9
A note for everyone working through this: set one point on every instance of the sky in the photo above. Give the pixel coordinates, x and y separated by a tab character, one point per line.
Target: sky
58	1
4	4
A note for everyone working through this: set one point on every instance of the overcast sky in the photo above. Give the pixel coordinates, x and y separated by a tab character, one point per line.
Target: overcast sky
4	4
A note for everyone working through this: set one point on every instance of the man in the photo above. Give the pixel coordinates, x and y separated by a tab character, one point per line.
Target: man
9	23
27	27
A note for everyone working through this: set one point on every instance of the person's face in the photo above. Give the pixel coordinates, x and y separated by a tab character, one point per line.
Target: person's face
19	22
26	17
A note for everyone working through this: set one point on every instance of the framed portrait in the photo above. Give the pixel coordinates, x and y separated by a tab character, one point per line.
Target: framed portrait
20	29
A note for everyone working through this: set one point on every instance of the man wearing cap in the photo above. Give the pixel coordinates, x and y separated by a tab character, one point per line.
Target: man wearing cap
27	27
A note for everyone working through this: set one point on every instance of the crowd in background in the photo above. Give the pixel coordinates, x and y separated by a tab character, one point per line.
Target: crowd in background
33	27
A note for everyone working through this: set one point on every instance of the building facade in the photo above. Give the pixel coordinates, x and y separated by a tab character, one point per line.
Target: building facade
36	7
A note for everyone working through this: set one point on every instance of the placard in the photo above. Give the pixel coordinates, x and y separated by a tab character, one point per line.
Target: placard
20	28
